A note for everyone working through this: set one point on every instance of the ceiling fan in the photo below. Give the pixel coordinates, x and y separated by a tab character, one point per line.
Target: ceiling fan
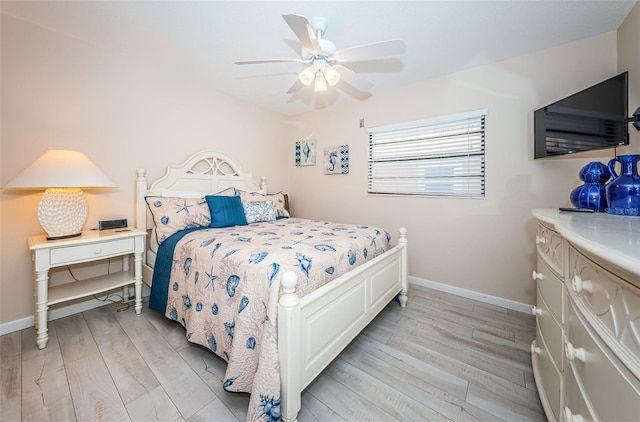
322	62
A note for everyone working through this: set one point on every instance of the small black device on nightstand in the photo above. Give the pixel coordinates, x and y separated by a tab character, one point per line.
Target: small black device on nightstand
112	224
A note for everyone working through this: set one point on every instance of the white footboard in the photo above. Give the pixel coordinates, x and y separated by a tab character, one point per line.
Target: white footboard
313	330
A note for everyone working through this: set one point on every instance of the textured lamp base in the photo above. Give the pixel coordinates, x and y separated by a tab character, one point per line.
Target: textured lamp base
62	212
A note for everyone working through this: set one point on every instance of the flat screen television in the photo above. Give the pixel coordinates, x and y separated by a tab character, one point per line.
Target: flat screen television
592	119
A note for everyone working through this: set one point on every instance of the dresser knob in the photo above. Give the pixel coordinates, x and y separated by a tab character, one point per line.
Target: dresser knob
97	251
536	276
535	349
572	352
536	311
578	285
570	417
540	240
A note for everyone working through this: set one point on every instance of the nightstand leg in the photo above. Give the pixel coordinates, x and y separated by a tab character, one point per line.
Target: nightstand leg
125	268
137	274
42	306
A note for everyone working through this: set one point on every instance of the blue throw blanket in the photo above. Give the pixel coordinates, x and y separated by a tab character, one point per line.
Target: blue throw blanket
162	270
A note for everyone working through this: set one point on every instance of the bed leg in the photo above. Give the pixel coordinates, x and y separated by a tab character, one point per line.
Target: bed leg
289	352
402	240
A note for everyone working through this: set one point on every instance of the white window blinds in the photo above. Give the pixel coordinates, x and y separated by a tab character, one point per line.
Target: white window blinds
434	157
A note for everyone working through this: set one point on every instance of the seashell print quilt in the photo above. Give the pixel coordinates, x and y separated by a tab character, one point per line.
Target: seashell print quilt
222	285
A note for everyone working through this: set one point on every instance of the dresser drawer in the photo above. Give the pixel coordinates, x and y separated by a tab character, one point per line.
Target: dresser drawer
612	303
552	290
575	402
612	390
553	333
91	251
551	248
548	379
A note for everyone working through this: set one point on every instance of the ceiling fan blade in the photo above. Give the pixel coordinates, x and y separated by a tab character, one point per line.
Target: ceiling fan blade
371	51
352	78
301	27
259	61
297	86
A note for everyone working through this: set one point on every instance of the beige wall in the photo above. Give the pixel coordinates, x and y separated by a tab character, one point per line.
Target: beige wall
629	60
60	93
482	245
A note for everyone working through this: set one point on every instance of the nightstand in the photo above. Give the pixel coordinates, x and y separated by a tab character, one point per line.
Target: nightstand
90	246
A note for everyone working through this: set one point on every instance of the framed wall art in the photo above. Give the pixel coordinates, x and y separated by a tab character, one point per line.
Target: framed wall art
336	160
306	153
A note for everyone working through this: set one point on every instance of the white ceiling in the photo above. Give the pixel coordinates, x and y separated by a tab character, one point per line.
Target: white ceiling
201	40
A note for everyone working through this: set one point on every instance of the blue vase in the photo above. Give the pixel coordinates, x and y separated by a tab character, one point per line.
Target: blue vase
591	195
595	172
623	193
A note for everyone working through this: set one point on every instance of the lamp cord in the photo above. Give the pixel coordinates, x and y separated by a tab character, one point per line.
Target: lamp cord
107	298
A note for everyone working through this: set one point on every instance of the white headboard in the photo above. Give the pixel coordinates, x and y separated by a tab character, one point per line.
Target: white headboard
206	171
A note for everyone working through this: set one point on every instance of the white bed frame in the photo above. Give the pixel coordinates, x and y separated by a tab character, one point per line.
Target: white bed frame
314	329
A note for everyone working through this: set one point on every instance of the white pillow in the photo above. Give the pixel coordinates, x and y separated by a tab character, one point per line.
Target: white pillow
258	211
277	199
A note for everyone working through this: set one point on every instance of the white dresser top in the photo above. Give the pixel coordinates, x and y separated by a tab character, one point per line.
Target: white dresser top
612	237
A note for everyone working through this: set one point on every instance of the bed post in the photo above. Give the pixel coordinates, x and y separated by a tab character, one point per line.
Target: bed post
402	240
263	185
141	206
289	342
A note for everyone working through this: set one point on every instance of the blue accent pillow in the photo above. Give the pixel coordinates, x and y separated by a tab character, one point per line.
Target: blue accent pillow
226	211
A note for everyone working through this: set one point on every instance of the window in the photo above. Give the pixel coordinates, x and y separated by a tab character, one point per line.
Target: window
443	156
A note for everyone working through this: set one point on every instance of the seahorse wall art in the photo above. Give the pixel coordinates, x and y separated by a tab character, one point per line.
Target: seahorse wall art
336	160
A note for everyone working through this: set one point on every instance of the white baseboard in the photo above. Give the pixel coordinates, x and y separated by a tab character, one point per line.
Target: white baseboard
21	324
470	294
61	312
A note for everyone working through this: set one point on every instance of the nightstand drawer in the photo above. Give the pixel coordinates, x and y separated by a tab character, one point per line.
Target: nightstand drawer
91	251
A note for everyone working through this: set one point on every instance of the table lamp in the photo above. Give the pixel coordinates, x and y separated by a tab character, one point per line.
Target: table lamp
63	208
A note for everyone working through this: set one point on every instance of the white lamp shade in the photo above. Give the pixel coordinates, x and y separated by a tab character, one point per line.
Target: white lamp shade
63	208
331	75
61	169
307	75
321	82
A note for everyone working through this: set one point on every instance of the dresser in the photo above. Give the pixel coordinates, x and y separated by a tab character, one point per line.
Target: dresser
586	355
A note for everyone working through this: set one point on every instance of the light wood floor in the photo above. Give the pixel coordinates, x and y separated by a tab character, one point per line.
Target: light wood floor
441	358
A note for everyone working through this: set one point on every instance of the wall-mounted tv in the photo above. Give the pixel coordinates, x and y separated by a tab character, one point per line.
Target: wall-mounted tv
594	118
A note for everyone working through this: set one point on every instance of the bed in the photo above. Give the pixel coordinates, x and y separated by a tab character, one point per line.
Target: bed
311	324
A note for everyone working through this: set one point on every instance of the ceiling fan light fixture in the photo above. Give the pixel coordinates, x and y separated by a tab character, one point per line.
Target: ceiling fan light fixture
332	76
324	62
307	75
321	82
